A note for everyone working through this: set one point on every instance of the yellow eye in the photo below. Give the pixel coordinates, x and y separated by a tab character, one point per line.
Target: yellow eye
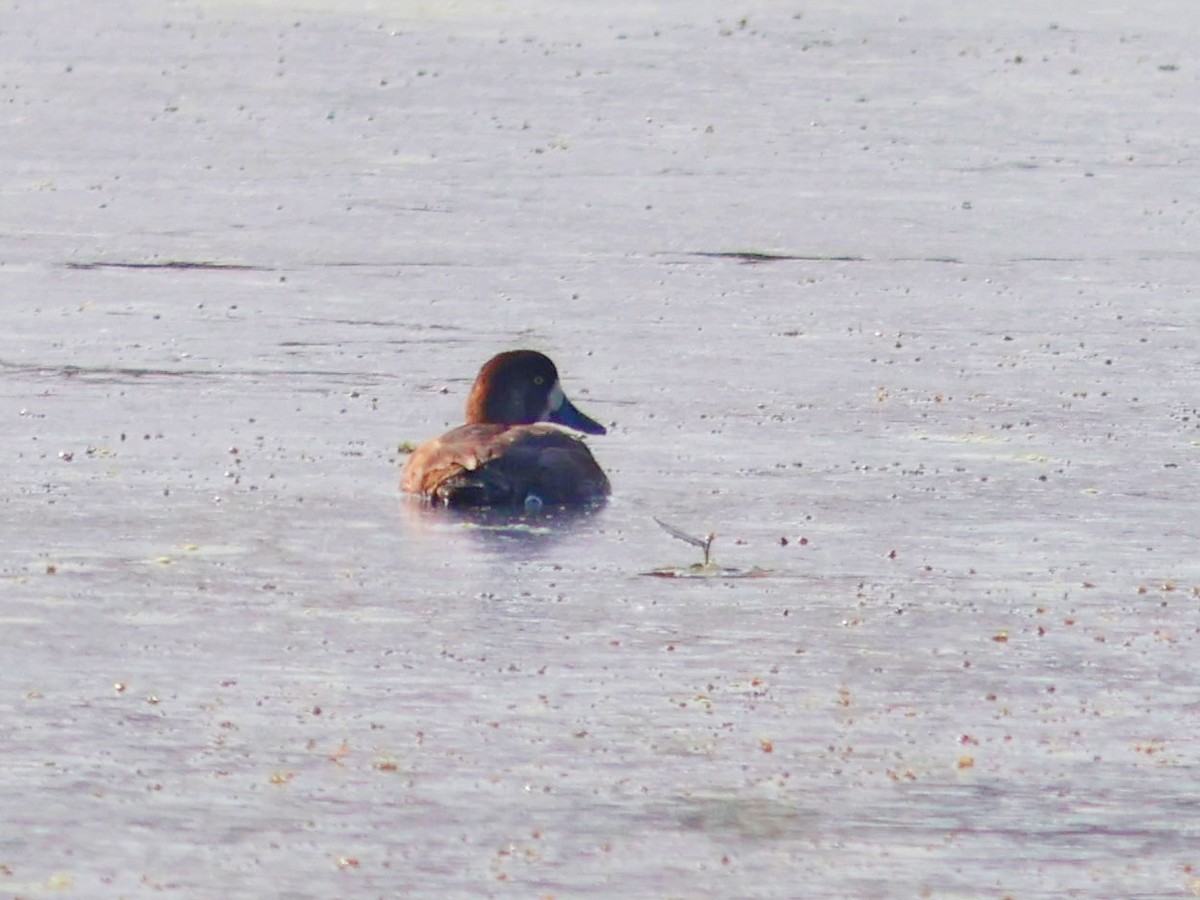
538	379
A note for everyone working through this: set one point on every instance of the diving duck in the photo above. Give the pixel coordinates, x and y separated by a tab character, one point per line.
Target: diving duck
502	456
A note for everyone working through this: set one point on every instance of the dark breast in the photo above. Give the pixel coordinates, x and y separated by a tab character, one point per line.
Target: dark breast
499	465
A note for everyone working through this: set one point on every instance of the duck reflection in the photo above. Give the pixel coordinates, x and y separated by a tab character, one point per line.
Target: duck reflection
498	529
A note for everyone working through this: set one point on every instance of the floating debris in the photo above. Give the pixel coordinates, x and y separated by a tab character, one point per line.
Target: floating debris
704	543
709	570
706	569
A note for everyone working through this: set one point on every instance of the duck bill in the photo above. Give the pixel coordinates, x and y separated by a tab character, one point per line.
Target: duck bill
568	415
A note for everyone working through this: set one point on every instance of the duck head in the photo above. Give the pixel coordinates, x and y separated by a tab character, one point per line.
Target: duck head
521	387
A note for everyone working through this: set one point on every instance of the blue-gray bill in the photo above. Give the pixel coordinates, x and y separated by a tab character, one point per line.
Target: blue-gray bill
569	415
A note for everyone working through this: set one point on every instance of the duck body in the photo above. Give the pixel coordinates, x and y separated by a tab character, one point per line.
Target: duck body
504	455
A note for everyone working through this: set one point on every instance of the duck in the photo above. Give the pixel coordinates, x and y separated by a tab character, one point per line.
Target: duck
511	451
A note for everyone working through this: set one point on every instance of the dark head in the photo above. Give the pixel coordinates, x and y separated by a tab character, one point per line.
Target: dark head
521	387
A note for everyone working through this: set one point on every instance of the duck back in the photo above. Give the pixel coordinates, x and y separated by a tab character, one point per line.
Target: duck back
505	465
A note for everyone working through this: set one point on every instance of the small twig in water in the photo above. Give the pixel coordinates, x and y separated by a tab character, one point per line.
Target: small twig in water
704	543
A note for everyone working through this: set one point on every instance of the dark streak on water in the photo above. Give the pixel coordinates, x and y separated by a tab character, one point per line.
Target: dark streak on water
171	264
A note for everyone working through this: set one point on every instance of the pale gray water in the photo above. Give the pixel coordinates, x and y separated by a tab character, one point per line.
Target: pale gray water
238	664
